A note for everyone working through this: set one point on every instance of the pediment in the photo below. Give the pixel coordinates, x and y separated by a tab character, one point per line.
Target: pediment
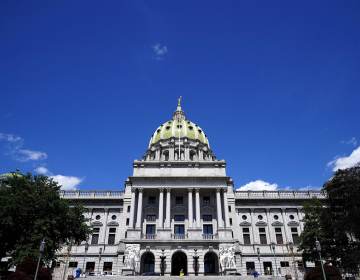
293	224
113	224
245	224
261	223
97	224
277	224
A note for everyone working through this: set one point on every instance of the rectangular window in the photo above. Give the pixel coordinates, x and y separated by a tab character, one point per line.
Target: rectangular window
90	267
295	235
206	200
230	220
179	200
262	235
207	218
111	238
279	237
151	218
150	229
127	221
267	268
107	268
95	236
73	264
179	218
284	264
246	236
250	268
207	229
152	200
128	208
229	208
179	229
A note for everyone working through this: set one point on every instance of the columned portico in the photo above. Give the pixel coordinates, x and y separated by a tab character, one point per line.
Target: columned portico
190	207
218	208
226	209
139	209
197	206
132	208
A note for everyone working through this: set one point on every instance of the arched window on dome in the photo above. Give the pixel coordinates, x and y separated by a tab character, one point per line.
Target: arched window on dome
192	155
165	155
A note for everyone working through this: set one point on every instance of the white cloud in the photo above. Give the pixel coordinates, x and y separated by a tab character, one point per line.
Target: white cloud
41	170
347	161
309	188
14	148
67	182
352	141
160	51
258	185
26	155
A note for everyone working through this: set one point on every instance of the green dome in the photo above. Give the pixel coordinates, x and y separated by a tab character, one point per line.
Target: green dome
179	125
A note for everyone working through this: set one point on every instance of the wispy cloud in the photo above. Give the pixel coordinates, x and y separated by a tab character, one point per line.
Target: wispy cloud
160	51
352	141
261	185
14	147
66	182
346	161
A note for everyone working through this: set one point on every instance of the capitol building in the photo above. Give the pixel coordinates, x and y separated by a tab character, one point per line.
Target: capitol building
180	213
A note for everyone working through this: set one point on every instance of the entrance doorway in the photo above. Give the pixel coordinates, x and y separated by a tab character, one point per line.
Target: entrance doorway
211	264
147	264
178	262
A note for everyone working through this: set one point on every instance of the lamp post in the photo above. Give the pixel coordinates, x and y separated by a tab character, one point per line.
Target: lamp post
196	258
318	249
100	252
291	247
86	250
41	251
258	254
273	249
162	264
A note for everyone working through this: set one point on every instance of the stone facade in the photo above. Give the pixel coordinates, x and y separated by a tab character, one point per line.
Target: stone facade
179	213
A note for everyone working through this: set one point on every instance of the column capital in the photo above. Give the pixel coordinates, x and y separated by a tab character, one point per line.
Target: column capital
140	189
168	189
197	189
133	189
190	189
161	189
218	189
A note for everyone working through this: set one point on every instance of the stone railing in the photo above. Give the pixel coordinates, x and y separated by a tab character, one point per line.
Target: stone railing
91	194
278	195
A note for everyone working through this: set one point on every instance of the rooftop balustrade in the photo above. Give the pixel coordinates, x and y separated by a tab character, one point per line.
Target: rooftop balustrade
279	195
91	194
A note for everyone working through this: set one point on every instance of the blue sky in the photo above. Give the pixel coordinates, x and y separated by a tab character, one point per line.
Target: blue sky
275	86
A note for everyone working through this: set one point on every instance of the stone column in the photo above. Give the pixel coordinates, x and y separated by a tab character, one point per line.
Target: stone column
271	239
197	206
190	207
218	208
161	209
168	202
226	209
285	225
132	208
139	208
255	240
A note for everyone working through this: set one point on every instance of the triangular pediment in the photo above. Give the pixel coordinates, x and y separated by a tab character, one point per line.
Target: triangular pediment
277	224
261	223
293	224
97	224
245	224
113	224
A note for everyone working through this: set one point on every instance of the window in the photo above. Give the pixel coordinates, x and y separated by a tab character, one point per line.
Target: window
244	217
179	229
150	218
90	267
291	217
179	218
267	268
107	268
262	235
73	264
230	220
179	200
207	229
111	238
279	237
206	200
295	235
113	217
127	221
97	217
95	236
207	218
276	217
250	267
260	217
246	236
151	199
284	264
150	229
229	208
128	208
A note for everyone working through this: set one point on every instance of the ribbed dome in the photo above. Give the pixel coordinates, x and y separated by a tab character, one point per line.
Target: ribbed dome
179	125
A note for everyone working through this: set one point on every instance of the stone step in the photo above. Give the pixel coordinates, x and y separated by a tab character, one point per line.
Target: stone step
200	277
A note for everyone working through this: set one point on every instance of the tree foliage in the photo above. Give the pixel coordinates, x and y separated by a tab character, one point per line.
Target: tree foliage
30	210
335	222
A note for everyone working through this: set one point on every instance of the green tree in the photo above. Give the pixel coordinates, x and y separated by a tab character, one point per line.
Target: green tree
30	210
